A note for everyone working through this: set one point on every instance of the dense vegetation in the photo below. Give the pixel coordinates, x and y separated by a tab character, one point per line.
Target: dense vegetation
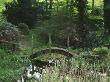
80	26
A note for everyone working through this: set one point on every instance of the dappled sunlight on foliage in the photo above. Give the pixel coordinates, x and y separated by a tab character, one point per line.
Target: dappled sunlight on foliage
55	40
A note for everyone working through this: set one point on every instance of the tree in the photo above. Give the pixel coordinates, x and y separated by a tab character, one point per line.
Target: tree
93	7
81	19
51	4
107	15
46	5
9	36
22	11
25	3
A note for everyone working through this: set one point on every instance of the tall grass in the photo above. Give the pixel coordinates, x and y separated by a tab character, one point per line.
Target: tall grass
74	70
12	65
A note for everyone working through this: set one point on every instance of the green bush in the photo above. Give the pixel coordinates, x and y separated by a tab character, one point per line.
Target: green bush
102	53
16	12
23	28
9	36
24	11
12	66
99	55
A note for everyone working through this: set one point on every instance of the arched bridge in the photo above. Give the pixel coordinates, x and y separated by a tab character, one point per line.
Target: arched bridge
53	50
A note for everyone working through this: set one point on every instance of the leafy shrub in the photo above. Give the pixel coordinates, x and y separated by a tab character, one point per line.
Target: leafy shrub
98	56
93	40
23	11
9	35
12	66
23	28
62	25
16	14
102	53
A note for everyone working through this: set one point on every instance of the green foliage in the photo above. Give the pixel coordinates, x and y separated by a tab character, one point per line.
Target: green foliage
2	2
60	26
12	65
102	53
63	23
97	12
21	11
98	5
9	35
98	56
93	39
106	15
23	28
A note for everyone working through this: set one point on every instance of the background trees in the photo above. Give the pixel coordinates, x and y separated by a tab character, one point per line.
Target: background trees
23	11
81	26
84	16
9	37
107	14
20	11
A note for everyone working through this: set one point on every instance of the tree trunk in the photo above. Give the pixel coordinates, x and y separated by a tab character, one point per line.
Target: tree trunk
51	3
82	20
46	7
50	7
107	15
93	7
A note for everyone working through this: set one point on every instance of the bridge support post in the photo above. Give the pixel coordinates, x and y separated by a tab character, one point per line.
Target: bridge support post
50	43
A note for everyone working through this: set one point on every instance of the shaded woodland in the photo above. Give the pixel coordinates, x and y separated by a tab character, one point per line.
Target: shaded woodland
78	27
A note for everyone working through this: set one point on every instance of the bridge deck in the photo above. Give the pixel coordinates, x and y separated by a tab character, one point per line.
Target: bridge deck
53	50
